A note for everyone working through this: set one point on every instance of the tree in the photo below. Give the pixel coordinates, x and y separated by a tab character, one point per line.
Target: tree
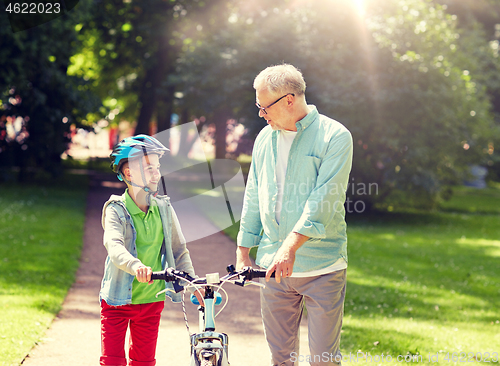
483	17
39	101
402	76
216	73
406	77
407	89
130	57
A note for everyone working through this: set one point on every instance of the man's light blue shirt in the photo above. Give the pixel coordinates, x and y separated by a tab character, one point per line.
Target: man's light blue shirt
316	180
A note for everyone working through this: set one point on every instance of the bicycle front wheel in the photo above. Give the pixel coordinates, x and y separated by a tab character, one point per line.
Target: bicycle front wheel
208	362
208	358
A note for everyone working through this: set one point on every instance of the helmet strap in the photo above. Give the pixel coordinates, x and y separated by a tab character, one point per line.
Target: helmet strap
145	187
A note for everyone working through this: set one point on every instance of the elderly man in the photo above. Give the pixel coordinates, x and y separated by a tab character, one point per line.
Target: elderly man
294	212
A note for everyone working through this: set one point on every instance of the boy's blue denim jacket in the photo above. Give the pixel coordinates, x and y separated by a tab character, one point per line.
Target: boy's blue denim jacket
122	262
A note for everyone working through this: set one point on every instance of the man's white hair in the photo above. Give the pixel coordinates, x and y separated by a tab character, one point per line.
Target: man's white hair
280	80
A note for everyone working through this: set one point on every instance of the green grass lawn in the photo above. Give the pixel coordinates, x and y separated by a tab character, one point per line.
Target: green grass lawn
473	200
40	243
423	284
420	285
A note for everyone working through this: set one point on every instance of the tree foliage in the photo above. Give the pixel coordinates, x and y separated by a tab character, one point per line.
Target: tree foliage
410	84
431	117
416	81
129	51
39	102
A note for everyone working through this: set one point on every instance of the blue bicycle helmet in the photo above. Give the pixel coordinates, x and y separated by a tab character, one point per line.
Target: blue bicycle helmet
134	147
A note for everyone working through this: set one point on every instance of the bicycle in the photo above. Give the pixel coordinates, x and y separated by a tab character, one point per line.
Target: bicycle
208	347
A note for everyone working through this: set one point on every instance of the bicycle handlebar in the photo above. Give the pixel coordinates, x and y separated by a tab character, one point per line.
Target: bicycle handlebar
248	273
171	275
237	277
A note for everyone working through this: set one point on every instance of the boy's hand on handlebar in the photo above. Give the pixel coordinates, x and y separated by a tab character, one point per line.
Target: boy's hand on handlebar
143	274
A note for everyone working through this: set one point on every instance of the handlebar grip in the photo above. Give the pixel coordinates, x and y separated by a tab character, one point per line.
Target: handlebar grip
171	275
165	275
158	275
260	273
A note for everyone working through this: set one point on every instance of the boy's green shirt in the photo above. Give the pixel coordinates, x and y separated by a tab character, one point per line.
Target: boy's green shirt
149	239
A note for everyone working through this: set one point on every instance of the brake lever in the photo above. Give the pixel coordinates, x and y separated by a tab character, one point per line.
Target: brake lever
245	277
249	283
177	286
240	282
244	282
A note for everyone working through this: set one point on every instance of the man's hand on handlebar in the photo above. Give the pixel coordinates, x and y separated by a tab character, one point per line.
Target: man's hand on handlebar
285	256
243	258
282	264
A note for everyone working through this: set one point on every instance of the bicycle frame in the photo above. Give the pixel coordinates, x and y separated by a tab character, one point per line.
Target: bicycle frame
202	343
209	347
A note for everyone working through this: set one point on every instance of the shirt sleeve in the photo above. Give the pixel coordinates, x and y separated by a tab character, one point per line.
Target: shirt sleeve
114	241
250	222
327	198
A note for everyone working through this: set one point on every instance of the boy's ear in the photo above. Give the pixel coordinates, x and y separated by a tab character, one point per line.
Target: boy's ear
126	171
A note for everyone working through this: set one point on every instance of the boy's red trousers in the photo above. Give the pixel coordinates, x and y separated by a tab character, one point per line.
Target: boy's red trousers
144	321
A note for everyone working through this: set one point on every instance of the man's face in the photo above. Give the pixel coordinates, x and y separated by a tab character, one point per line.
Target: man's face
277	114
150	168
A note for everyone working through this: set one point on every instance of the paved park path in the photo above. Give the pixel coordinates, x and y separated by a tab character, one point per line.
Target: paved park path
74	336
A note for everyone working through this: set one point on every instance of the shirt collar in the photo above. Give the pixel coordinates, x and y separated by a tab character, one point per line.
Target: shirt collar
131	205
308	119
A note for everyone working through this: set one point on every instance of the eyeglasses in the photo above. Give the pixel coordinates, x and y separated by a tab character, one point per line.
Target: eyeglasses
263	109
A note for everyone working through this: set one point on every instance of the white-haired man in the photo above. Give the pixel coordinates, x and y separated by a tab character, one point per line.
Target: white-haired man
294	212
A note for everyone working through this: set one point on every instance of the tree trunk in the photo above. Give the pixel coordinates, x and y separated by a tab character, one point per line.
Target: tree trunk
165	109
147	98
184	145
151	87
220	119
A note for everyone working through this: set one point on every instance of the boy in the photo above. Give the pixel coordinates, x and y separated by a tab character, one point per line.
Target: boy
142	235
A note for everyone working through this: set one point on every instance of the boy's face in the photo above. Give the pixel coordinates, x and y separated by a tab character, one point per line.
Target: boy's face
150	168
